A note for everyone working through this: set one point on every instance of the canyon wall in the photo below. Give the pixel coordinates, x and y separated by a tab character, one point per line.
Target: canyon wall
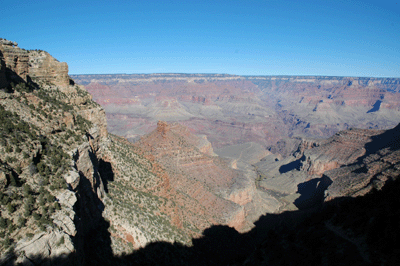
32	65
105	196
231	109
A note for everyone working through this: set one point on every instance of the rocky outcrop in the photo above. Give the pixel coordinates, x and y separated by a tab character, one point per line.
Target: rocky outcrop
58	142
34	64
343	148
162	128
14	60
205	146
44	67
379	165
53	245
202	177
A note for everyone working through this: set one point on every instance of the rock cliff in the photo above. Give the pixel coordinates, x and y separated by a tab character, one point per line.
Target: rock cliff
52	144
231	110
32	65
378	165
344	148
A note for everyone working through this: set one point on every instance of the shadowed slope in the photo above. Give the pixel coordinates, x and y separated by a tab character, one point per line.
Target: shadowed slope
345	231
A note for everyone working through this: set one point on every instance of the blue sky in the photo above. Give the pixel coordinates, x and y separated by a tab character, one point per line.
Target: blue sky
334	38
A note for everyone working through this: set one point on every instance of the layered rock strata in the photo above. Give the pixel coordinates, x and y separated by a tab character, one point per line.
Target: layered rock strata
32	65
232	110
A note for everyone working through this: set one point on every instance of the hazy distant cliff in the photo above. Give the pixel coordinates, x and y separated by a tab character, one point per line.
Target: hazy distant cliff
262	109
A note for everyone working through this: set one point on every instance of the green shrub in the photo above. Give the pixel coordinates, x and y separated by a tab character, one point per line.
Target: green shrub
3	222
7	242
21	222
36	216
50	198
10	208
27	190
27	212
61	241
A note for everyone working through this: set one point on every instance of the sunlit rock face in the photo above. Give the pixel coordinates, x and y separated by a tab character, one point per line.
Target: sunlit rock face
59	139
33	64
231	109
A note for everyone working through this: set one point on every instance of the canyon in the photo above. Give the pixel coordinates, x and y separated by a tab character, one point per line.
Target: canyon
195	169
231	109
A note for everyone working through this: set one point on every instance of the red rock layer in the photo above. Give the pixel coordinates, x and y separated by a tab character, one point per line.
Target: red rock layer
204	179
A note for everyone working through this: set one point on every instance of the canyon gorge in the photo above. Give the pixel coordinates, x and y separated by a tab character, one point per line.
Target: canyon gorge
195	169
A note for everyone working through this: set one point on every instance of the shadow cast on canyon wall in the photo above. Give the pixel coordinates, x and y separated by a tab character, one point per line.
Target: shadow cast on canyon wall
375	107
313	236
93	240
389	139
312	192
106	173
316	234
9	79
291	166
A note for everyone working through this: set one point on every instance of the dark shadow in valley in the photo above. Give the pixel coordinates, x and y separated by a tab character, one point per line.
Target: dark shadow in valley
291	166
375	107
390	139
312	192
310	236
314	236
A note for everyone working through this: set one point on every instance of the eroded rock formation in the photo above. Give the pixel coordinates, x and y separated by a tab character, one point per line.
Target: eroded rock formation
60	145
204	178
32	64
231	110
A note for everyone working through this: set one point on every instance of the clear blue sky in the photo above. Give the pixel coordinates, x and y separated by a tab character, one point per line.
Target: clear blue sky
302	37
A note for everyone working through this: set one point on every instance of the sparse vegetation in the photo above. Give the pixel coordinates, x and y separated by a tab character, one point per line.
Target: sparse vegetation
133	198
34	141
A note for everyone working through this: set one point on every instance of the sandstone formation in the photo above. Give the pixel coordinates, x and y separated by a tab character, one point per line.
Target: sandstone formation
376	167
31	65
347	164
343	148
204	178
53	136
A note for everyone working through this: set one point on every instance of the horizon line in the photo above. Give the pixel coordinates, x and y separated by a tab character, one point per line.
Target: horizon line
182	73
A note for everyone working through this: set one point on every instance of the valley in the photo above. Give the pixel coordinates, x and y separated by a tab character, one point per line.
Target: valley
266	126
195	169
232	109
